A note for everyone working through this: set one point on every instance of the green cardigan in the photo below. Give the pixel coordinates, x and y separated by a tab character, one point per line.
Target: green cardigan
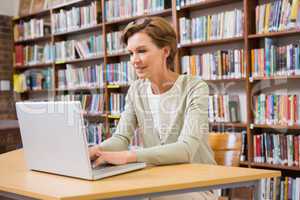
184	122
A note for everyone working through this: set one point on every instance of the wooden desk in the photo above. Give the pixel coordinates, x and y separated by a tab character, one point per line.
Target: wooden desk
10	138
16	180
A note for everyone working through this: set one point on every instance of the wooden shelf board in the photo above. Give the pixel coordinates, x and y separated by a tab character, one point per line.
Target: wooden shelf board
225	80
88	114
162	13
212	42
24	67
276	78
244	163
226	124
117	54
113	86
37	39
79	31
79	89
276	126
206	4
37	14
274	34
79	60
37	91
272	166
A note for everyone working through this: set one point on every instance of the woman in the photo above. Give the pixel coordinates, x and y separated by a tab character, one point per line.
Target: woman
169	109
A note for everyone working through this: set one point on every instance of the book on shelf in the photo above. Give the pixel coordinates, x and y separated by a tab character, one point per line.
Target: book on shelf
33	79
278	149
274	60
87	47
277	16
91	103
33	54
88	77
76	18
121	73
211	27
95	133
114	44
116	103
34	28
275	109
221	64
224	108
118	9
284	187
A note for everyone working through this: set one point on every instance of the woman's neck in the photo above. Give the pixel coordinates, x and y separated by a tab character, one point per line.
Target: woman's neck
163	82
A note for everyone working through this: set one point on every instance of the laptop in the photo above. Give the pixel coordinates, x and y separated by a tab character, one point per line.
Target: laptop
54	140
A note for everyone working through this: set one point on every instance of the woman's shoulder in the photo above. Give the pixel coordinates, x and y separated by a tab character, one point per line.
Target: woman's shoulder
190	82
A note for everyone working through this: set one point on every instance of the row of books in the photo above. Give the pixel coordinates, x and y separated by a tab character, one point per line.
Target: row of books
76	17
224	108
222	25
277	15
91	104
81	77
87	47
31	29
181	3
118	9
114	44
275	60
276	149
283	188
275	109
222	64
117	103
95	133
34	79
120	73
33	55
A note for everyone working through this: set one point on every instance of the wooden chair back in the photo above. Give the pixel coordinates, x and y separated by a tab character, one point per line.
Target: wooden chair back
226	147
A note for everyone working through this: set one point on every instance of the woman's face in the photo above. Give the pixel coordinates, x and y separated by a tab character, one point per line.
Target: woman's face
147	59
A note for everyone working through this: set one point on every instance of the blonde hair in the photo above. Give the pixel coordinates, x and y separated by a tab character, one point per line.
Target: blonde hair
159	30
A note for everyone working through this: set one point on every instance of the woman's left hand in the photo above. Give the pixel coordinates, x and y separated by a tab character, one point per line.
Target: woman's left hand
114	157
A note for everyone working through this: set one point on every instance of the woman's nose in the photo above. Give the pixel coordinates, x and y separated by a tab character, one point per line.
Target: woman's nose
135	58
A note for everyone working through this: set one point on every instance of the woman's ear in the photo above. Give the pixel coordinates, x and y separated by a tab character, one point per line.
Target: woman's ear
166	51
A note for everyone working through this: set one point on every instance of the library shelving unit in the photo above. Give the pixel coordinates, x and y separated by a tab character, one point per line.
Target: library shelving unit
247	41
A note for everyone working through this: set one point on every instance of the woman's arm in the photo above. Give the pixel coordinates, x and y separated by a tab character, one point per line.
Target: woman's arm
120	140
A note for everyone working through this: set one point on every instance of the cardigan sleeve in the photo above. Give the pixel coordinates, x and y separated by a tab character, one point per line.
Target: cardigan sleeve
192	140
120	140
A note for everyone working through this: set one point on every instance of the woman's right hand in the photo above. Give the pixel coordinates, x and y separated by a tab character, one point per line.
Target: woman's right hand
94	152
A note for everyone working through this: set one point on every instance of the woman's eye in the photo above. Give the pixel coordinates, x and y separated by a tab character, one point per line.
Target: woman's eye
142	51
